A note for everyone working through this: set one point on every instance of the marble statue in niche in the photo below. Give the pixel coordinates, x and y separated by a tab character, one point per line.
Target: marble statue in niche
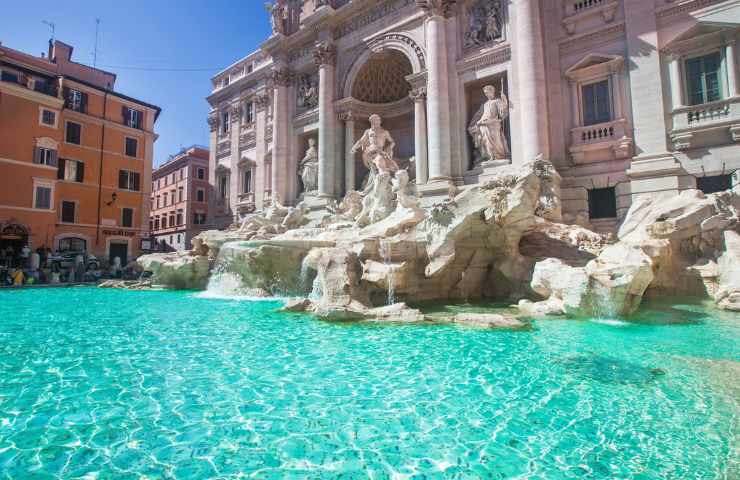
377	146
308	92
487	127
309	167
485	21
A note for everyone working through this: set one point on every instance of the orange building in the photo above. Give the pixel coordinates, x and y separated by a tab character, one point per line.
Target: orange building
75	157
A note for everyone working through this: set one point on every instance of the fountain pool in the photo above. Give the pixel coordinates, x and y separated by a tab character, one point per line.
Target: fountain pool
117	384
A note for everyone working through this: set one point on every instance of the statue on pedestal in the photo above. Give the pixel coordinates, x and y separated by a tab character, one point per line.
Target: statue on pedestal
309	167
278	16
377	147
487	127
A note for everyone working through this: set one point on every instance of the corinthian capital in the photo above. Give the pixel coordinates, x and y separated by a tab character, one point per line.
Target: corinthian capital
261	102
325	54
436	7
282	77
418	94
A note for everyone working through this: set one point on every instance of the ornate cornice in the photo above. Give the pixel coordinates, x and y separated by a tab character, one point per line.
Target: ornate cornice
494	57
590	40
436	7
325	53
685	7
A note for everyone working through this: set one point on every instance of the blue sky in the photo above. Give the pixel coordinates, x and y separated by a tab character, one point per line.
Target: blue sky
182	34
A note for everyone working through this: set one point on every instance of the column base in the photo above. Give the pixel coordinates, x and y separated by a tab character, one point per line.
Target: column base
435	190
315	201
485	171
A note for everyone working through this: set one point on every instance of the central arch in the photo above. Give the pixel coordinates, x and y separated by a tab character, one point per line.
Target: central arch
393	43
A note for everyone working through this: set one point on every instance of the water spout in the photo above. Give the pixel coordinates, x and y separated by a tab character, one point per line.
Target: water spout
385	253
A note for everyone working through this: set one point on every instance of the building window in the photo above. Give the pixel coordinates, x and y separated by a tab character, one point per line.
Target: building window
45	156
68	212
164	221
225	123
200	195
132	118
74	133
127	217
703	76
172	220
71	170
596	103
7	76
156	223
180	194
249	112
199	218
179	217
72	245
49	118
128	180
179	238
602	203
75	100
714	184
201	174
132	145
159	203
42	197
247	181
182	173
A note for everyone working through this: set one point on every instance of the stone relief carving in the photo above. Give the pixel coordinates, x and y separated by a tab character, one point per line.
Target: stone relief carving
487	127
485	23
404	39
437	7
282	77
278	16
309	168
308	92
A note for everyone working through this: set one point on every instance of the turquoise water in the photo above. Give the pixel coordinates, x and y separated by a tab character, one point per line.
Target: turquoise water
113	384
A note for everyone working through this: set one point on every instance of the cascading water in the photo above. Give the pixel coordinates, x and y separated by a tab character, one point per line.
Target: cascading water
385	253
604	310
309	285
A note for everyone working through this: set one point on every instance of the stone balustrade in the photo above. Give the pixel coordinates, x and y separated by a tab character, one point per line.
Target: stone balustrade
591	143
691	123
602	132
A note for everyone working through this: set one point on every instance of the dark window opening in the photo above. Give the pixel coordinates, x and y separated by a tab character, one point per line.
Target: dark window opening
127	217
132	145
602	203
74	133
68	212
716	183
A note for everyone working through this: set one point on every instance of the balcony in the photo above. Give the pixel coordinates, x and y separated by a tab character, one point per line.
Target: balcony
602	141
585	11
699	124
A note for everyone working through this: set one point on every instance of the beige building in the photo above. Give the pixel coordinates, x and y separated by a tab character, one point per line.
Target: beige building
179	200
625	97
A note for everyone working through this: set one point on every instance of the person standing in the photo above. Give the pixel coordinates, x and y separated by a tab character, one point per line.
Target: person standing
25	256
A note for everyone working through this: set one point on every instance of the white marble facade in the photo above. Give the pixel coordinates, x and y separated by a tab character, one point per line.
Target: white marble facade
625	97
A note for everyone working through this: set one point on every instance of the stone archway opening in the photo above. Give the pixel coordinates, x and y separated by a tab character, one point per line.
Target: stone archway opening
381	86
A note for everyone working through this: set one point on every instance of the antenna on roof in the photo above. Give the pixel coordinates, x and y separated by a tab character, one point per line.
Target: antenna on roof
95	52
53	28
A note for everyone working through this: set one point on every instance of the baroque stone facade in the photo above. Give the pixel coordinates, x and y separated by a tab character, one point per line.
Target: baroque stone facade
626	98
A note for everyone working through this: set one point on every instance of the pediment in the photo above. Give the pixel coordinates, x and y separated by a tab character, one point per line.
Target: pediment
46	142
595	64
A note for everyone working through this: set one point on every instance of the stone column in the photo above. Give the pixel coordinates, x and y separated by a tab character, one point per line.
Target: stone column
616	78
212	162
282	79
419	96
575	104
235	113
731	68
349	157
440	152
325	56
261	180
528	57
674	68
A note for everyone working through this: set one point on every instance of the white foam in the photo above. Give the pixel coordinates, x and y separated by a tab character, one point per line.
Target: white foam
610	321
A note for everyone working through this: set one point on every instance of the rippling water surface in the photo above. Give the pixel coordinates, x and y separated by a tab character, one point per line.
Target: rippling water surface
111	384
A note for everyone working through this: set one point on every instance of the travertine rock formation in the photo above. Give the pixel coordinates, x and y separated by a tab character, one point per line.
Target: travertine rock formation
502	239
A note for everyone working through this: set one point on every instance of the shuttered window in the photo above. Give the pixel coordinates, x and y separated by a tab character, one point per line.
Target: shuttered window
68	212
132	146
596	103
74	133
71	170
45	156
132	118
128	180
127	217
75	100
42	198
703	79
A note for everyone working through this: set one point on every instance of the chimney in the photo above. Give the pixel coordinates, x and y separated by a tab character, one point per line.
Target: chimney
60	52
